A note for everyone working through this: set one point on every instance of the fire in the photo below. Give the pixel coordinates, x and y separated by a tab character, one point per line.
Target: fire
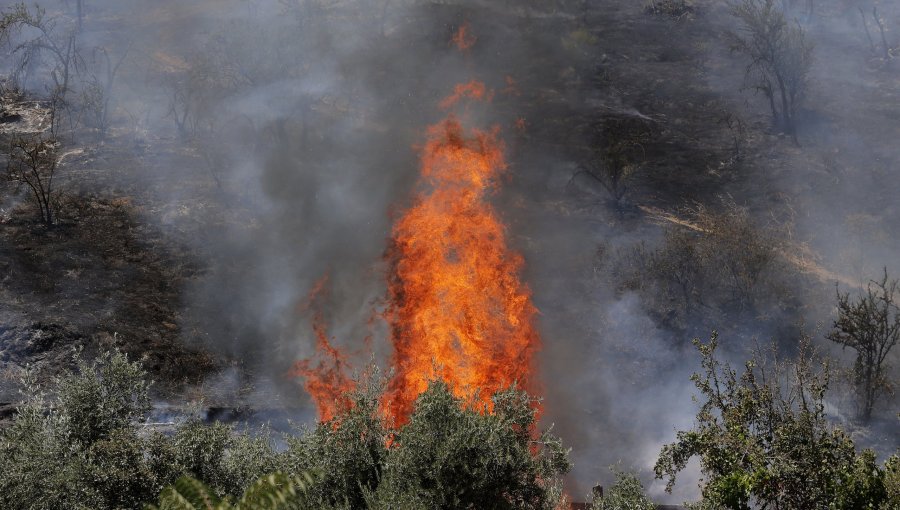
326	380
472	90
463	39
457	309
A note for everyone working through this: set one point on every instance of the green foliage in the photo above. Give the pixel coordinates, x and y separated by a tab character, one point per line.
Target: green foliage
78	448
892	483
102	396
449	456
871	327
763	439
275	491
348	451
626	494
83	447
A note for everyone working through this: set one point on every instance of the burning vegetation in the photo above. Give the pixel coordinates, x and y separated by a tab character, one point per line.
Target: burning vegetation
179	176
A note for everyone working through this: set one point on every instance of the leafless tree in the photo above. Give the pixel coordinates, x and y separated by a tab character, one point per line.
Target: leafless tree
42	42
780	58
616	151
32	163
97	91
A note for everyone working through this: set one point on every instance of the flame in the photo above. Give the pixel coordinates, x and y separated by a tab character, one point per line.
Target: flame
456	308
326	380
463	39
472	90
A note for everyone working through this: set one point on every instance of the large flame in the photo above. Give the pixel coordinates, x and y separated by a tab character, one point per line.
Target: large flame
457	309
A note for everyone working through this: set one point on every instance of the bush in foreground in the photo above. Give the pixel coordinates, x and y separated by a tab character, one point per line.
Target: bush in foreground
763	440
80	444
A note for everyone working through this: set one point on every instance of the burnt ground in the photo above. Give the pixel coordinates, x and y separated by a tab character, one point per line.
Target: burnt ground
142	216
101	278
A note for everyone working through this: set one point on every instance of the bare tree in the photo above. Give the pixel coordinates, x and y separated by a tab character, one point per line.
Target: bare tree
780	58
97	91
884	43
32	162
871	327
46	43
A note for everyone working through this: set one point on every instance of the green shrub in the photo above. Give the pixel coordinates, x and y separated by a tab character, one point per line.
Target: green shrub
763	439
626	494
83	446
449	456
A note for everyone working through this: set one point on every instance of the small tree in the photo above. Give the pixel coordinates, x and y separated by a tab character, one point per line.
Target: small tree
764	441
97	91
32	162
780	58
871	327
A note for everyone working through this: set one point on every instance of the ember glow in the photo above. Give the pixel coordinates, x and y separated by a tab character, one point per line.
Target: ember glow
471	90
463	38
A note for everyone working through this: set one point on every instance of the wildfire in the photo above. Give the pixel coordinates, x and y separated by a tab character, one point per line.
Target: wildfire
326	380
463	39
472	90
456	308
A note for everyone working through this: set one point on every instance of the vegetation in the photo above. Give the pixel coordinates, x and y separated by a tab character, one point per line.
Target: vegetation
273	492
626	494
82	445
671	8
869	325
716	262
616	151
780	58
763	439
47	44
32	162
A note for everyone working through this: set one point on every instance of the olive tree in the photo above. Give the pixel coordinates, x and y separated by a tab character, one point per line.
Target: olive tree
764	441
626	494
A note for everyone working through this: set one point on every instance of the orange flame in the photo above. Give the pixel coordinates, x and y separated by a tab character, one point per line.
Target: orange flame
463	39
326	380
456	307
472	90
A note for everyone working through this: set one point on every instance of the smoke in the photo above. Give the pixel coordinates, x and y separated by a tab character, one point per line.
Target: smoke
309	114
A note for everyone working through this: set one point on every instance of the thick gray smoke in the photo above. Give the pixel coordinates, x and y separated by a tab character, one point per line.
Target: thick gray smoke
281	136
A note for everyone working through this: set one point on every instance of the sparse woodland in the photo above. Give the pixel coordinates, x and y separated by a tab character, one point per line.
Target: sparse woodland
702	191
